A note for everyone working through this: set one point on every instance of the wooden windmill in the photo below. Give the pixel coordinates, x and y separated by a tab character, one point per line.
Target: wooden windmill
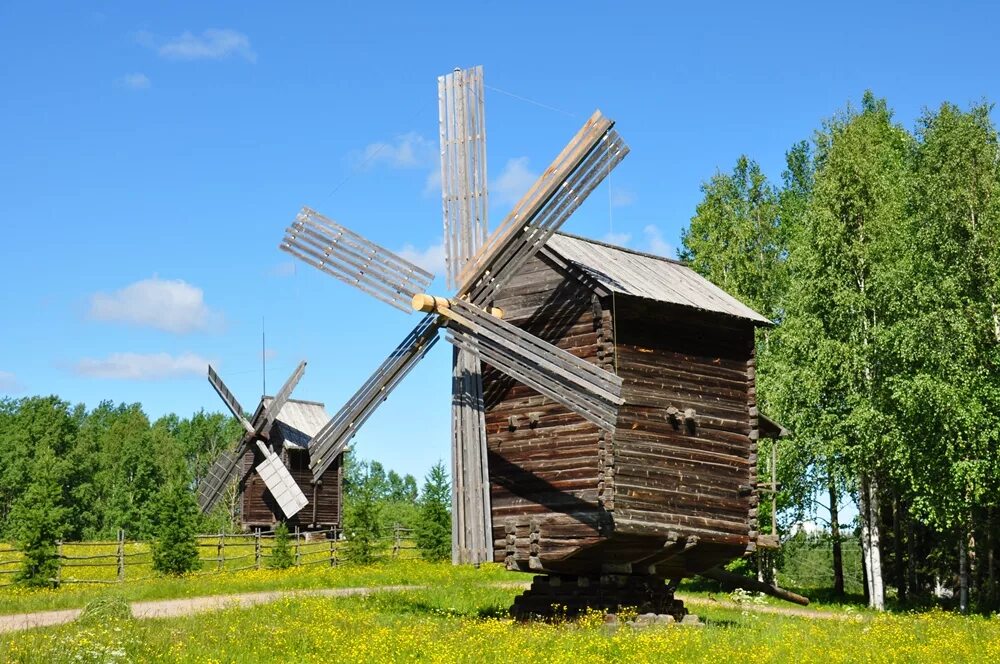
269	464
479	266
604	416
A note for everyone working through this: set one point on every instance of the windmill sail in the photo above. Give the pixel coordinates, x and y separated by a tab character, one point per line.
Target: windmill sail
280	483
330	441
263	427
234	406
580	167
464	198
220	474
355	260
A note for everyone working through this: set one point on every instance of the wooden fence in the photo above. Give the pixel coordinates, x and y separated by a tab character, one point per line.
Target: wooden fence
122	560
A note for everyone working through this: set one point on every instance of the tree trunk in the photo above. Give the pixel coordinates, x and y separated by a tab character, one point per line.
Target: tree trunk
963	574
913	585
871	546
991	577
899	561
838	552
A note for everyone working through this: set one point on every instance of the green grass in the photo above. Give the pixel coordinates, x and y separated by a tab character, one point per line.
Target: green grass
394	572
462	619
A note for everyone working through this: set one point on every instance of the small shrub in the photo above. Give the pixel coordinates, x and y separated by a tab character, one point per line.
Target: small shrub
38	522
175	550
434	526
281	552
107	608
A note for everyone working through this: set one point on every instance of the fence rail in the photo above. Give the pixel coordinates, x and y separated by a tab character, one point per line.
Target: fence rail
130	560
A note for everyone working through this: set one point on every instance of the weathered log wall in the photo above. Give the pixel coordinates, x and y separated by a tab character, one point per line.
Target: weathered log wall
693	477
663	494
543	459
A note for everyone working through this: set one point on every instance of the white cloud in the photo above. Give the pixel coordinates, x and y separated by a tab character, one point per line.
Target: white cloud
137	366
619	239
431	258
169	305
211	44
270	353
411	150
621	197
9	384
432	185
283	269
135	81
514	180
655	243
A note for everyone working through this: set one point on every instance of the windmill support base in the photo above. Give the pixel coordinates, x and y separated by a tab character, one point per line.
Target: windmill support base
562	596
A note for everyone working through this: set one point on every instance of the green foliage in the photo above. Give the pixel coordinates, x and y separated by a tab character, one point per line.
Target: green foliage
736	238
281	551
37	520
106	608
434	526
175	550
364	527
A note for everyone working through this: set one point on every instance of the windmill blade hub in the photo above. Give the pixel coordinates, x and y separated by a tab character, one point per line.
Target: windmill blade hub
428	303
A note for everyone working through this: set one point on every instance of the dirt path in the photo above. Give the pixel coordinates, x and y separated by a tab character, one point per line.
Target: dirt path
180	607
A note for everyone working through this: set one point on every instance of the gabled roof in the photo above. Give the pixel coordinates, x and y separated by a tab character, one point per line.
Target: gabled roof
298	421
634	273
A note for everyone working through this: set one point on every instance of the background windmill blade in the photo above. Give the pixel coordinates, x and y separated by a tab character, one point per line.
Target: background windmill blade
345	255
464	198
332	438
580	167
222	471
582	387
263	426
234	406
280	483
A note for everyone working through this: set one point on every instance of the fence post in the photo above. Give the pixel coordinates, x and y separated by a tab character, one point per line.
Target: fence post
220	550
395	540
333	547
59	559
256	548
298	555
121	555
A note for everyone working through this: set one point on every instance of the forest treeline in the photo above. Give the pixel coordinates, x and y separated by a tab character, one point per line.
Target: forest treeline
878	257
111	466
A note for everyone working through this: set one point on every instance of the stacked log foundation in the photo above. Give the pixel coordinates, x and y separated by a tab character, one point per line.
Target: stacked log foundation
558	596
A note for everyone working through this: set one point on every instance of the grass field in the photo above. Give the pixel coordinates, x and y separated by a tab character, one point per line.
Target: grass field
461	617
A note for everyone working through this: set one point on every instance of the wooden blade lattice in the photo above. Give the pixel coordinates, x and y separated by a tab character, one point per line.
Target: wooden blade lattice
231	403
220	474
582	387
580	167
464	197
263	426
349	257
332	438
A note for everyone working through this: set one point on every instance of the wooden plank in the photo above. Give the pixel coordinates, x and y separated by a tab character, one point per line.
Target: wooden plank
463	167
506	259
602	414
230	400
263	426
330	441
353	259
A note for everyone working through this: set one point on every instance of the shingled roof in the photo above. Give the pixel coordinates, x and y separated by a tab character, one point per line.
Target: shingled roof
627	272
299	421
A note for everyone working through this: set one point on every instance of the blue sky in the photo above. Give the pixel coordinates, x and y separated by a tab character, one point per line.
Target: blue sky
152	154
